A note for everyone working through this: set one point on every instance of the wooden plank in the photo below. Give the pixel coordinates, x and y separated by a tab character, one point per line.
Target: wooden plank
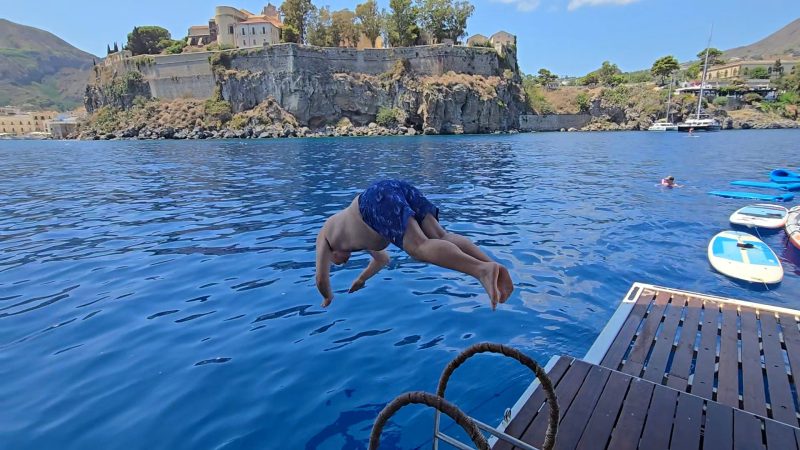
780	394
599	426
791	337
688	418
719	427
581	409
565	391
703	380
746	431
682	361
526	414
728	382
779	436
634	363
752	376
658	426
613	357
657	363
631	420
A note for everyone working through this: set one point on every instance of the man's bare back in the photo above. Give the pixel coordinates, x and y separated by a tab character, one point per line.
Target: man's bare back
394	211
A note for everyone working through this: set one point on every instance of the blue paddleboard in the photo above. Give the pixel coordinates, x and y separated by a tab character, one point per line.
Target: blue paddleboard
784	176
754	196
768	185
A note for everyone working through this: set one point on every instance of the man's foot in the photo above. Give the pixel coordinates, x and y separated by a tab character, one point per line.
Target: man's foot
504	284
489	278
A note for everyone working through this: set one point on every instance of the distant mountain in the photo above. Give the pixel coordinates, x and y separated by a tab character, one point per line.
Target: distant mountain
38	68
784	42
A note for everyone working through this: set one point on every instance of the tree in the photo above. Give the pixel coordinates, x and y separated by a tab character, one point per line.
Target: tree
401	23
545	77
369	20
147	40
693	71
760	73
116	48
319	28
433	17
296	14
606	74
713	56
457	21
344	28
664	66
444	19
289	33
777	68
108	49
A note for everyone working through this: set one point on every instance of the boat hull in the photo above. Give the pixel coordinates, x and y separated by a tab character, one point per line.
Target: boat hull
682	127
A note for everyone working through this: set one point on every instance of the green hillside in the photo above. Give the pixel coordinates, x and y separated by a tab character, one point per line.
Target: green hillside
38	68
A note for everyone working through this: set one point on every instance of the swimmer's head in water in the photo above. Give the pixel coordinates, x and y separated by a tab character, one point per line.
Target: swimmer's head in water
671	178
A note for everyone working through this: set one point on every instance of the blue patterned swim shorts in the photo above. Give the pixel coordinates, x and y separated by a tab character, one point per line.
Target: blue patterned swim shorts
387	205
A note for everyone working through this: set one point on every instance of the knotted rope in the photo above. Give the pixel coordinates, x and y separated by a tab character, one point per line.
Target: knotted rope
425	398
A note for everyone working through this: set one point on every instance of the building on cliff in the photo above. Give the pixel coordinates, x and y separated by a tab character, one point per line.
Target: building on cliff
741	69
17	122
238	28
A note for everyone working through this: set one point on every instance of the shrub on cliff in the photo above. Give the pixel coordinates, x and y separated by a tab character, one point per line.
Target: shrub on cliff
217	110
387	117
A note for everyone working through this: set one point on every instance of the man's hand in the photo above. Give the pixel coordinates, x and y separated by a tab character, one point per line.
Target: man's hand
357	284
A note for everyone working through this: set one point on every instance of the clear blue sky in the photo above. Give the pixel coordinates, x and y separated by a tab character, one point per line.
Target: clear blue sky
569	37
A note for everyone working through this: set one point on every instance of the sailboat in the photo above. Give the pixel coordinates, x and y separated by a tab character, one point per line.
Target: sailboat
701	122
665	124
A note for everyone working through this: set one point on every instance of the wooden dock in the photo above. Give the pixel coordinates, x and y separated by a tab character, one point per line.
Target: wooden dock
679	370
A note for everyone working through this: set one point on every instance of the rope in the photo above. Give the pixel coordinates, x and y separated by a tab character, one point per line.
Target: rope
425	398
547	385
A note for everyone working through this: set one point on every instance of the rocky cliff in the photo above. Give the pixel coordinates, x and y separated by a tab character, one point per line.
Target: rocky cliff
424	93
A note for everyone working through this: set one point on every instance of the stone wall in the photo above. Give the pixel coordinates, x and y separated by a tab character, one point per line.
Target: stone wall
186	75
430	60
553	122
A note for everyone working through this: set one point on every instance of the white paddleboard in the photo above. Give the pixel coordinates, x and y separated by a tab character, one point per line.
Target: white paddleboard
762	215
743	256
793	226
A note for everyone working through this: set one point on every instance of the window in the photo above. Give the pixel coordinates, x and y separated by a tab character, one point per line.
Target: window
244	31
263	30
244	43
253	29
230	29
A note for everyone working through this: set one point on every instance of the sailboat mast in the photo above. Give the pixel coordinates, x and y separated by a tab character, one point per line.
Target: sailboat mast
669	95
705	70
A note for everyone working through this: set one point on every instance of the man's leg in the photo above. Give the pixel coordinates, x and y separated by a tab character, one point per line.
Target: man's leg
432	229
447	254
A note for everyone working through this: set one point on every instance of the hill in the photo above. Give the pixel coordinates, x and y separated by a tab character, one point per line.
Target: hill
784	42
39	68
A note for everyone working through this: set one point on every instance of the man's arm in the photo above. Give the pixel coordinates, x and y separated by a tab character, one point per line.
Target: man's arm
379	260
324	267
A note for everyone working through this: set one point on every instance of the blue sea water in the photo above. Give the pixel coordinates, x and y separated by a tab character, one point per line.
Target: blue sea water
160	295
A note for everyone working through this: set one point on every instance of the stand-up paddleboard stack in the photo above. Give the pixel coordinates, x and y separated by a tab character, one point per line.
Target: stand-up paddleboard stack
743	256
782	179
793	226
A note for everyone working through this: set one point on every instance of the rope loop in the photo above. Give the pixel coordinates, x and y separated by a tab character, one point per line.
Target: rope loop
425	398
541	375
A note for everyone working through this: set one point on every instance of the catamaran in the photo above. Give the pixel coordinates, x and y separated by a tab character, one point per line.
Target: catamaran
701	122
665	124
